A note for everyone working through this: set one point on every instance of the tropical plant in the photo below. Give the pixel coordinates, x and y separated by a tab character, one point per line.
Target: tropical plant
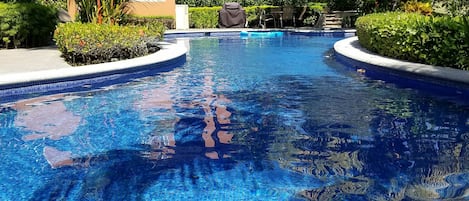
102	11
418	7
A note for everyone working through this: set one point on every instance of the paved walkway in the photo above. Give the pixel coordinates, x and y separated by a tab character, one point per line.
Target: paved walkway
28	60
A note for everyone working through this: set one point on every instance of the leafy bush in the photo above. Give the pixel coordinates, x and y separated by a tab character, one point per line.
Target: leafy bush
317	7
453	7
204	17
418	7
93	43
167	21
207	17
57	4
26	24
441	41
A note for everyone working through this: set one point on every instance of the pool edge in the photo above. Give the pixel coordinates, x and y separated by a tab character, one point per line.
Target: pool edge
171	54
168	54
350	52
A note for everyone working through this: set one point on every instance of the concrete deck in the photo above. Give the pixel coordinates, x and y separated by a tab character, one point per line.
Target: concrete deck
30	60
350	48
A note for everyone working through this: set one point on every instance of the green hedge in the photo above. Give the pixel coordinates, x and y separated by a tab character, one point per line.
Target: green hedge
92	43
167	21
203	17
26	24
441	41
207	17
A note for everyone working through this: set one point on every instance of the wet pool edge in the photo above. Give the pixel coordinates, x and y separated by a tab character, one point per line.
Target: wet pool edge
170	54
349	52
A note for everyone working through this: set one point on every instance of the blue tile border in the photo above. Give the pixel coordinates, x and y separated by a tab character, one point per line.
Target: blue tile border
93	76
404	74
236	32
87	82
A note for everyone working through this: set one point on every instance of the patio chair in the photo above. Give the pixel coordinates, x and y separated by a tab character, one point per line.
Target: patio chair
274	15
264	18
289	14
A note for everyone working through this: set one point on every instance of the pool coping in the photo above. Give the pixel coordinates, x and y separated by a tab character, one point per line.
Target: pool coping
169	53
234	31
352	50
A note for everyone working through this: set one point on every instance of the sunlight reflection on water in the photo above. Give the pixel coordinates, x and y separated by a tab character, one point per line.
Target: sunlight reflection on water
264	119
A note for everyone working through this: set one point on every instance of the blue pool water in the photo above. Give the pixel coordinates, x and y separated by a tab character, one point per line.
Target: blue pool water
242	119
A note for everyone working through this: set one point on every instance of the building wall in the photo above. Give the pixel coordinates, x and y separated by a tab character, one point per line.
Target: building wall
153	7
140	7
72	8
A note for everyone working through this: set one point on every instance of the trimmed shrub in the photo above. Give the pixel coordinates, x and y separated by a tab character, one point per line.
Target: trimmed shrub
167	21
26	24
203	17
207	17
92	43
441	41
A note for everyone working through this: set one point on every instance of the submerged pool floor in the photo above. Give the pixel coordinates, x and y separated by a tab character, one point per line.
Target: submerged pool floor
242	119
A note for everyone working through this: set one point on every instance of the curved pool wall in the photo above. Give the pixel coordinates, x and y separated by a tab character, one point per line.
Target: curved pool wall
439	80
173	54
172	34
347	51
92	76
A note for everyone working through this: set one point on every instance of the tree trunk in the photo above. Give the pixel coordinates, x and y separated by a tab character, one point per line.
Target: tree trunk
100	15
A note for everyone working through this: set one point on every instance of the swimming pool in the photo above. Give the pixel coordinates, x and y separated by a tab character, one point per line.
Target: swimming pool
242	119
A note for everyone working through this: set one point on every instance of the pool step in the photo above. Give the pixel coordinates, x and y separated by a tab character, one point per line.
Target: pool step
331	21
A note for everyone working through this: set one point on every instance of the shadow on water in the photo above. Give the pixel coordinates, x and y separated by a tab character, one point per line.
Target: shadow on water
130	174
126	174
331	137
386	144
361	142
